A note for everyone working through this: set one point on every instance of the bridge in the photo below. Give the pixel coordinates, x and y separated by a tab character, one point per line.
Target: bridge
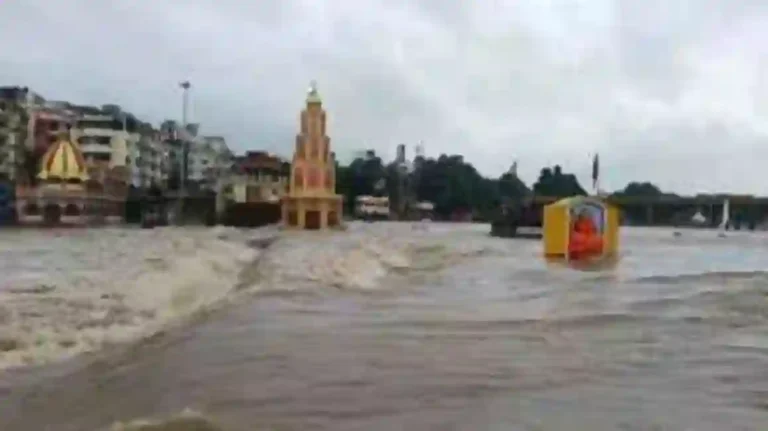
671	209
671	199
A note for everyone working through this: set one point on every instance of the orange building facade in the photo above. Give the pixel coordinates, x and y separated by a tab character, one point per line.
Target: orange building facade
311	201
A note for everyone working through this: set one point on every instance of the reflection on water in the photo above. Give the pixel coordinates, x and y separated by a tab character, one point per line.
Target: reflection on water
383	327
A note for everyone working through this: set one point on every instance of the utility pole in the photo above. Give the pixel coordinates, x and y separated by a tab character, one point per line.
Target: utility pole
185	86
402	173
418	158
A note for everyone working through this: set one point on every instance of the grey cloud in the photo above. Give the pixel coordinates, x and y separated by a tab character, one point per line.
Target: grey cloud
659	88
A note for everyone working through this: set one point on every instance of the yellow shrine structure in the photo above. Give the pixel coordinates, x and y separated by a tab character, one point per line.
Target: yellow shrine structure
311	201
560	233
63	194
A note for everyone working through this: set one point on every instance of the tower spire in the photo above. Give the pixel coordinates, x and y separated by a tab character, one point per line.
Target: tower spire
312	95
311	201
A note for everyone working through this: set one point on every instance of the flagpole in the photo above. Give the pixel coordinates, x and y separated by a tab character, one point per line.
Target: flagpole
596	188
596	174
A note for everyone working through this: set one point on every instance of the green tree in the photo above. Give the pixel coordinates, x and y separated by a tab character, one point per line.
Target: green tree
449	182
553	182
364	176
640	189
512	187
636	212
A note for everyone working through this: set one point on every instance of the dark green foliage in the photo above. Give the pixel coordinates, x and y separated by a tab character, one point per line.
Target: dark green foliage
450	183
455	186
553	182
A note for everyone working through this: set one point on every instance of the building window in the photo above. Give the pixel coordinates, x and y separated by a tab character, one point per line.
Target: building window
71	210
32	209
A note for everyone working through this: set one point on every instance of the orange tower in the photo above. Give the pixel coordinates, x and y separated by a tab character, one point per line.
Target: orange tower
312	202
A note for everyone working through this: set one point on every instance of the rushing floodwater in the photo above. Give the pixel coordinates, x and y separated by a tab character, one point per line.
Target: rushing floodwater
383	327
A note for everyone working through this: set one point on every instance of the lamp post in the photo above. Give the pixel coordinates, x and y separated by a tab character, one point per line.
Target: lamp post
185	86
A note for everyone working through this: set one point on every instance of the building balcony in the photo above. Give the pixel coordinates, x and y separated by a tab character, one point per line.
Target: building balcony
96	149
100	132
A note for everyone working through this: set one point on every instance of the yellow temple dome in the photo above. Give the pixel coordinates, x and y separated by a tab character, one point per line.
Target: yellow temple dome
63	161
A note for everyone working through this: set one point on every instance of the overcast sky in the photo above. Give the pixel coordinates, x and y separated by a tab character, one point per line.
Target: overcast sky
672	91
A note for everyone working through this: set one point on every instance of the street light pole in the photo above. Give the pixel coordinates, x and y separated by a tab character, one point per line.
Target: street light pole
185	86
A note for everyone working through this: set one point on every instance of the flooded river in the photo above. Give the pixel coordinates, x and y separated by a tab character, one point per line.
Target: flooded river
383	327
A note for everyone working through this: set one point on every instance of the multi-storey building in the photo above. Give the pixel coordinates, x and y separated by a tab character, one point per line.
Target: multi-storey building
148	159
105	135
201	161
116	146
47	122
209	160
28	126
11	136
176	142
259	177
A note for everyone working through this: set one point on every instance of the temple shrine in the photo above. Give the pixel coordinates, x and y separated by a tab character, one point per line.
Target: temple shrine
65	193
311	201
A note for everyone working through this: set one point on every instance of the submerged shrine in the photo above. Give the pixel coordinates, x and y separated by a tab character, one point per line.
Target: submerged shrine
311	201
60	193
65	193
579	228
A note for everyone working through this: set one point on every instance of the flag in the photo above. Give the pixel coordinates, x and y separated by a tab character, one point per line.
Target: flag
595	171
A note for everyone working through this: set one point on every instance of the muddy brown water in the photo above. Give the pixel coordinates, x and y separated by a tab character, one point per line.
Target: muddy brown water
387	327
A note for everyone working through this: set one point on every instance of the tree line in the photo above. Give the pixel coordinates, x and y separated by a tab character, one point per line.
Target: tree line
455	186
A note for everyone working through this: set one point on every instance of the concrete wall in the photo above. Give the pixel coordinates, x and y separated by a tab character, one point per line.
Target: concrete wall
251	214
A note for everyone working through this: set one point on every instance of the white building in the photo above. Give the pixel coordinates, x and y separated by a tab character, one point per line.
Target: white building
149	160
105	137
110	138
209	160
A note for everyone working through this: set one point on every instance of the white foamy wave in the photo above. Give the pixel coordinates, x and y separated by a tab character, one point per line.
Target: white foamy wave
361	258
187	420
339	260
103	287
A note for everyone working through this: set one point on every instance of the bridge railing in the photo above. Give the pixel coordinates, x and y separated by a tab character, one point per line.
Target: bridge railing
670	200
